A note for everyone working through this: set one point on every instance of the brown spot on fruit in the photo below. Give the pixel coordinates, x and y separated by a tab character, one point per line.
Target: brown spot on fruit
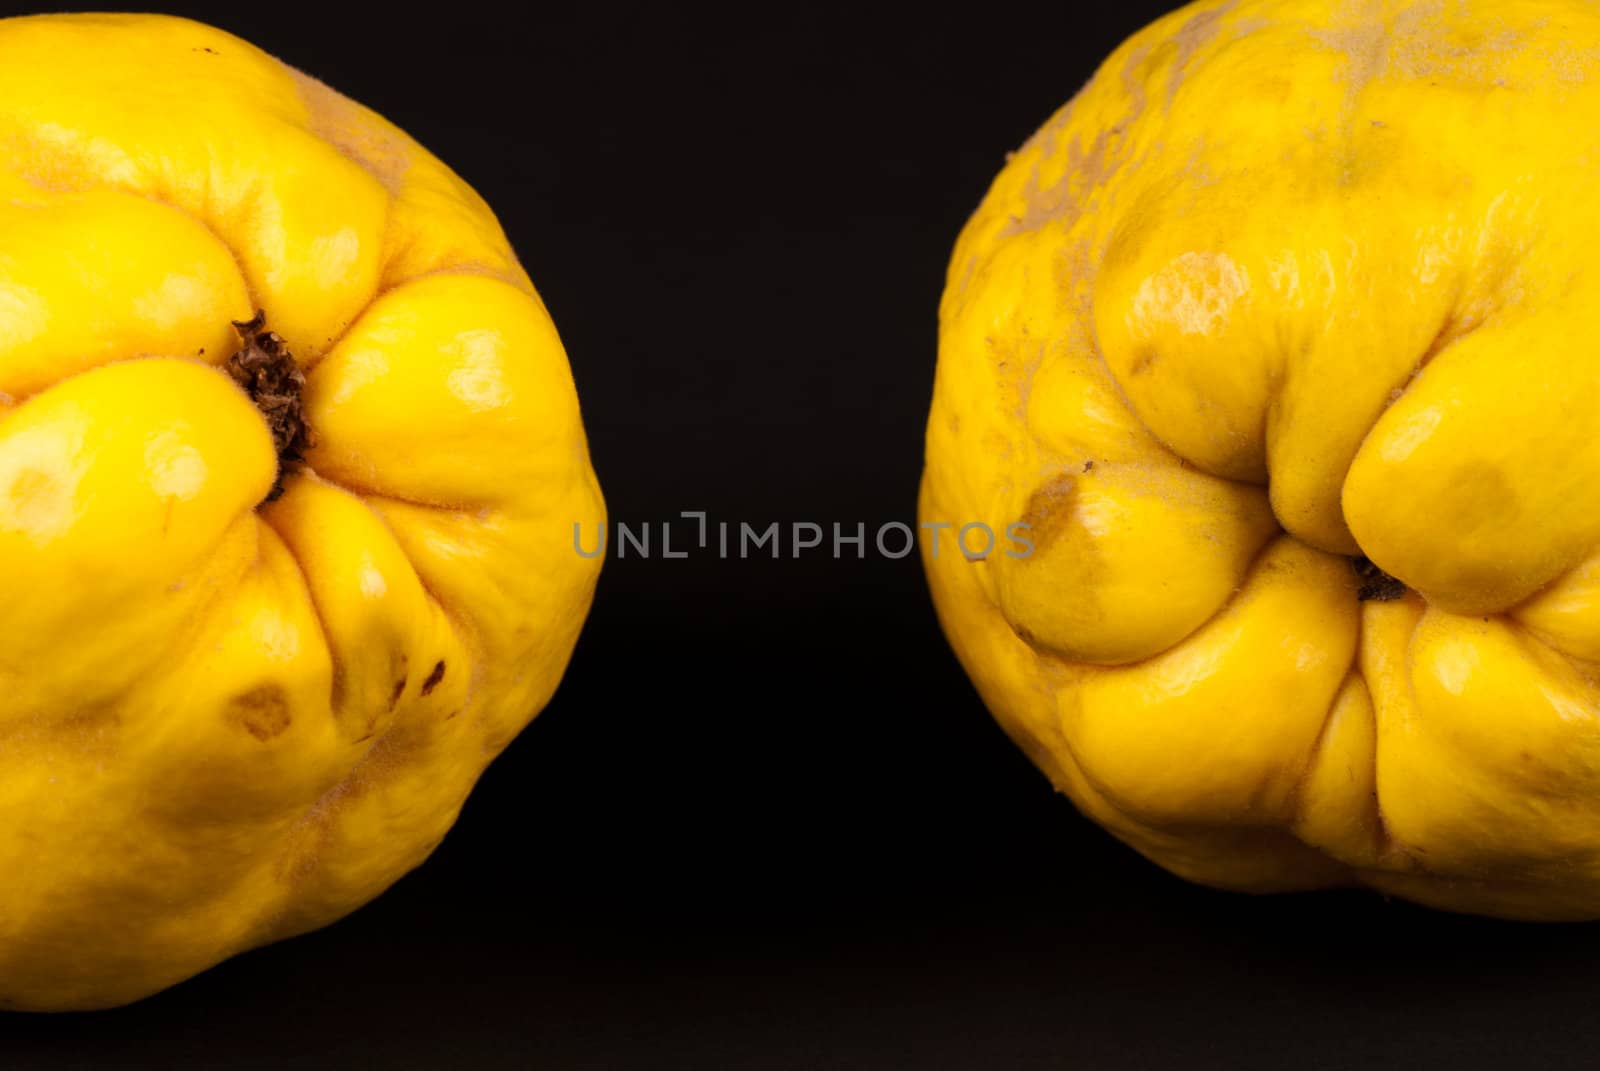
1051	509
434	677
262	712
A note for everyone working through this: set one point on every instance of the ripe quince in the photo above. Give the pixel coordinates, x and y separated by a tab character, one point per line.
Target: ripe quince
290	455
1278	339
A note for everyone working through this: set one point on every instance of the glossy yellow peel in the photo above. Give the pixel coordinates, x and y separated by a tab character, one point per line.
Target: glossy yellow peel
227	720
1288	284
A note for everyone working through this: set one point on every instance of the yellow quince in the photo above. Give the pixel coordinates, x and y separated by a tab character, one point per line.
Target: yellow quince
1278	338
290	459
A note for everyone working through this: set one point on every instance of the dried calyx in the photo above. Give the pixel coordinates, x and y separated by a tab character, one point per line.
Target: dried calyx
265	369
1375	585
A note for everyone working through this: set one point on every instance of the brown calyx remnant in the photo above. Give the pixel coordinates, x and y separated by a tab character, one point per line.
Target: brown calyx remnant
1375	584
265	369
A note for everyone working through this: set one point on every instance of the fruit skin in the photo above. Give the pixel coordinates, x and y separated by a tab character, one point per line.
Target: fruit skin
1289	282
227	721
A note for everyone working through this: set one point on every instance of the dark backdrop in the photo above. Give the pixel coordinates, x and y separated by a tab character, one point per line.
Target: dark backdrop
766	822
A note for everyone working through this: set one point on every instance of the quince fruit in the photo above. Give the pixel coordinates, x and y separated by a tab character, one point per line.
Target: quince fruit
290	456
1279	337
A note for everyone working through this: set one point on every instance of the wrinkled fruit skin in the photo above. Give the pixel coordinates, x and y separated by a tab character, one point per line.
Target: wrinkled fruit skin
1290	283
225	720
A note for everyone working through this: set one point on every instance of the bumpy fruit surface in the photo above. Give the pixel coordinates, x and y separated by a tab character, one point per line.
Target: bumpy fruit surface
274	593
1282	337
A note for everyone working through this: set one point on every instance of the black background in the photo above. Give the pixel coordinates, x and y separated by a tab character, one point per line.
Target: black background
766	822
